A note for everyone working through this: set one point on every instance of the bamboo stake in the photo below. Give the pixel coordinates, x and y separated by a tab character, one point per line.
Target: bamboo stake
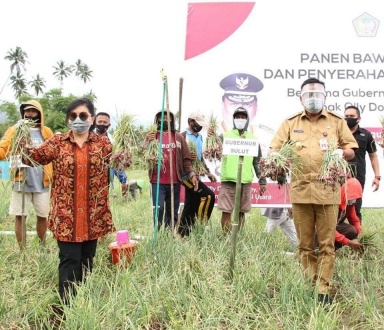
170	155
23	218
181	83
159	164
235	218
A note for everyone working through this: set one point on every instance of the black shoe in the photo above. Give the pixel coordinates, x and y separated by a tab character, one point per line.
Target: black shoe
324	299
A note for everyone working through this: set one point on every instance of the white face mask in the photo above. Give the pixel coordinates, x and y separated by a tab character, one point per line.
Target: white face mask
240	123
314	105
79	126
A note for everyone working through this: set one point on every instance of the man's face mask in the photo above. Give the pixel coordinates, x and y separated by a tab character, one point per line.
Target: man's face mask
313	100
35	118
351	201
240	123
196	127
102	128
352	122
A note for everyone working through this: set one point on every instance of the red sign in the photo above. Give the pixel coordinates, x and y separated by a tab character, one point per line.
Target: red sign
274	196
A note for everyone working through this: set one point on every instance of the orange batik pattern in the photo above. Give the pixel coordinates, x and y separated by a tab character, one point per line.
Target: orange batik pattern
79	209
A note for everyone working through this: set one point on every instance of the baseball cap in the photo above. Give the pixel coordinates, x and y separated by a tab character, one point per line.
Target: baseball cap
240	110
198	118
30	107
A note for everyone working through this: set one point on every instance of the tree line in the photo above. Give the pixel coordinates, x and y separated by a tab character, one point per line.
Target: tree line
53	101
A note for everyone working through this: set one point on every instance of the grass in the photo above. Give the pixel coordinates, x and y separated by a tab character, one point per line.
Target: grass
184	284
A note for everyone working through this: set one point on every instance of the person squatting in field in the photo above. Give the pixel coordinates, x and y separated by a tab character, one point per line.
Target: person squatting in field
198	205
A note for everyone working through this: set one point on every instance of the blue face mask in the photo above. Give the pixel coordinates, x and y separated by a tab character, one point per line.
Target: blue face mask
79	126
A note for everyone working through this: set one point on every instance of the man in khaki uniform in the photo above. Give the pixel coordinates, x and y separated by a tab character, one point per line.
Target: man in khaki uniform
315	207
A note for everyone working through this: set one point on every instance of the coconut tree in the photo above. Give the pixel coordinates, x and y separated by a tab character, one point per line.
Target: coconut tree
37	83
62	71
18	59
19	84
83	71
91	95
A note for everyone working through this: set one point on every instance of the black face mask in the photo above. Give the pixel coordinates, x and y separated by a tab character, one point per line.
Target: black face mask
102	128
197	128
35	119
352	122
165	125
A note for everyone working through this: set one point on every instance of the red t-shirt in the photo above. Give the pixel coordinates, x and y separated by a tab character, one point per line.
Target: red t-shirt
165	171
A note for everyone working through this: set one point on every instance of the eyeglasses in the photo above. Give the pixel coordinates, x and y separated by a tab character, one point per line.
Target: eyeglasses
83	116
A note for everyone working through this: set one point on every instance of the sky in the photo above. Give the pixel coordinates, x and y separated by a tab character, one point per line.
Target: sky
125	44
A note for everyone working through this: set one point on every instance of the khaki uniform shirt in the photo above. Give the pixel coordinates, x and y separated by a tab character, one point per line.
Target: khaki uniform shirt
304	186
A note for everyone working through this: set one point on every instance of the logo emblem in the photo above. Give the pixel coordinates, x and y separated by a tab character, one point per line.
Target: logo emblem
366	25
242	82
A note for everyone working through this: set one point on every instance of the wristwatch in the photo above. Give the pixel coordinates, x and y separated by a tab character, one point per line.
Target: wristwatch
378	177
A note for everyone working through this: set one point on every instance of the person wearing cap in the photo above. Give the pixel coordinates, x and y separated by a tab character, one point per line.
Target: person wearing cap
314	205
347	233
173	143
102	124
197	204
229	166
35	181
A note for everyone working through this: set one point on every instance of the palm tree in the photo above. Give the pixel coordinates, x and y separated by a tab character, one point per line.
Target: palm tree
62	71
18	57
19	84
79	66
91	95
37	83
83	71
18	60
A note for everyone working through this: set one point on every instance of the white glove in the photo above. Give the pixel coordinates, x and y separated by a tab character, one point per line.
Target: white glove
338	152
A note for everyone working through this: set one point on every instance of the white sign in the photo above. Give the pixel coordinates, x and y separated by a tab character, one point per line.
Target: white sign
240	147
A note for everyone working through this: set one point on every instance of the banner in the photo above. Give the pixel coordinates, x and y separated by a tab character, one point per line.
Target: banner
257	54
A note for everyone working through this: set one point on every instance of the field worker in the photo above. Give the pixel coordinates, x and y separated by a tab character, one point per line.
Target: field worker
315	206
181	169
102	124
346	233
133	187
229	165
367	145
281	217
34	181
198	205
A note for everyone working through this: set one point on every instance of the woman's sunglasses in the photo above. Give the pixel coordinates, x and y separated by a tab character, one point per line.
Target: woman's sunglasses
83	116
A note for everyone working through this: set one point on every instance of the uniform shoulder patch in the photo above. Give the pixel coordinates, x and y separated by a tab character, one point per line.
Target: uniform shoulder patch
295	115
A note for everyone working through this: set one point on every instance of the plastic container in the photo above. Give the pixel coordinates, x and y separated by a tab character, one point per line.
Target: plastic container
122	237
122	254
